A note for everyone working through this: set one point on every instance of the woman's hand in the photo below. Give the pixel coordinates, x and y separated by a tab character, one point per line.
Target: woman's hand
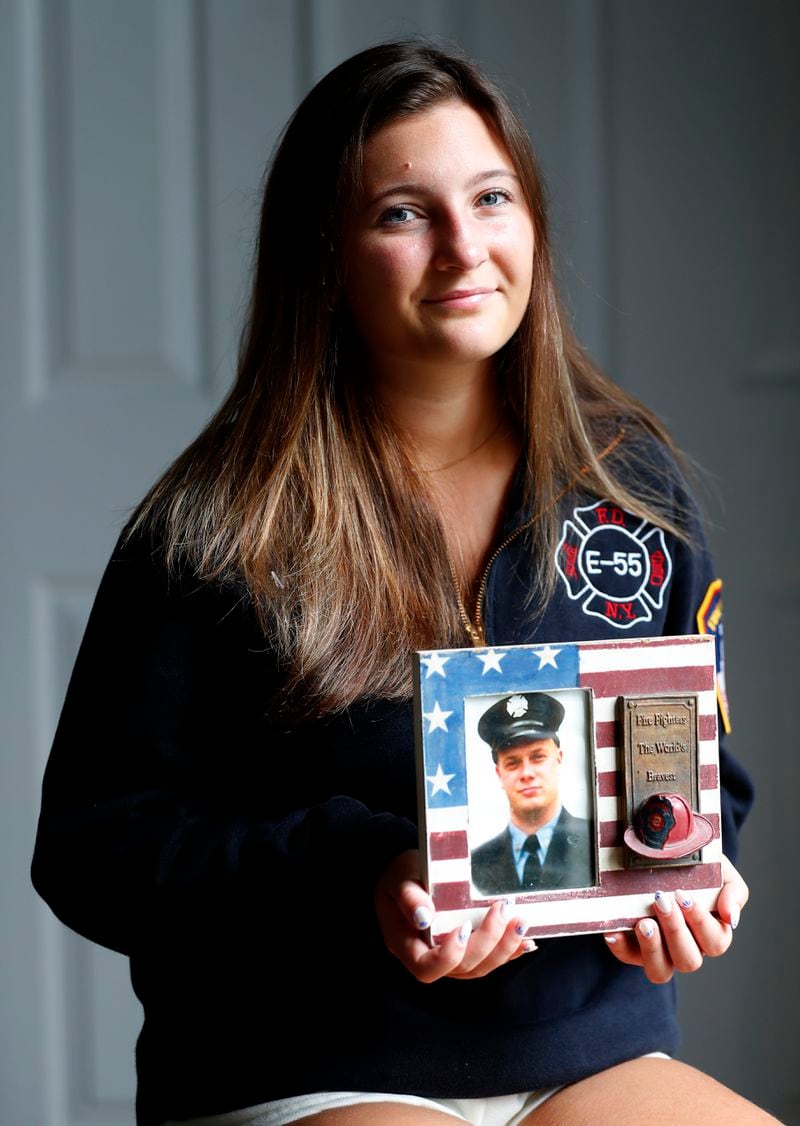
682	932
405	909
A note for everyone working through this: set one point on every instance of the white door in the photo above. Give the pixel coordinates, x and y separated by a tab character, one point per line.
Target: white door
133	138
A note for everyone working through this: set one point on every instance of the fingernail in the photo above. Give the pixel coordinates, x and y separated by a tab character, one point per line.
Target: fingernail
529	946
505	910
423	917
464	931
647	928
663	901
520	929
736	915
610	939
684	899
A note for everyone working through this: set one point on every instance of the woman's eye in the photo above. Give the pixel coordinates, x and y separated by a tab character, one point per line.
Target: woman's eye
396	216
493	198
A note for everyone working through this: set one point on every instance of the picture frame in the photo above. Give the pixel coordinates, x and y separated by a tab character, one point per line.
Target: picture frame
627	738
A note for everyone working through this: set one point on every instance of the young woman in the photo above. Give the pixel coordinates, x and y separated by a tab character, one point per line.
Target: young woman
230	798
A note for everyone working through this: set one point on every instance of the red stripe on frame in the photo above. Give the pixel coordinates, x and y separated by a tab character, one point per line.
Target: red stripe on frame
450	897
449	846
645	642
605	733
632	880
709	777
644	682
541	896
707	727
610	833
608	783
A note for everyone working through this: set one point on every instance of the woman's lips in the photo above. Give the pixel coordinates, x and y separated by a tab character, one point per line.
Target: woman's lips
461	298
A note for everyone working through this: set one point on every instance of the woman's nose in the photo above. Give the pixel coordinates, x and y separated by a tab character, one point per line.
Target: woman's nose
460	245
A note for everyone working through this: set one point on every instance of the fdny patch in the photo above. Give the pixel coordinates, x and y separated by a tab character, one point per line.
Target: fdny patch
617	563
709	620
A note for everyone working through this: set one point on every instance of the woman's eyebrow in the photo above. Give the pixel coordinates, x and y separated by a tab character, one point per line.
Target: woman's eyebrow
415	186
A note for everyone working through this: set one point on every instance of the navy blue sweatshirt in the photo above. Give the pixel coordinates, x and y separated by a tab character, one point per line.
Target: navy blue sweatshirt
233	859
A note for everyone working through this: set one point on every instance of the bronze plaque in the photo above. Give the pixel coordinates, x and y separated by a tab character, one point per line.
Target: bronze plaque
659	741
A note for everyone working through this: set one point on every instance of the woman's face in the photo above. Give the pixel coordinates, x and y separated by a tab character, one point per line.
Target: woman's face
439	255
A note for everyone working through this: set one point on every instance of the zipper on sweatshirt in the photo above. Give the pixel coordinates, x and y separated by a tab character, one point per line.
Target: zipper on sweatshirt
474	625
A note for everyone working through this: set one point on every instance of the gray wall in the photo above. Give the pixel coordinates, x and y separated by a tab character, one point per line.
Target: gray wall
133	137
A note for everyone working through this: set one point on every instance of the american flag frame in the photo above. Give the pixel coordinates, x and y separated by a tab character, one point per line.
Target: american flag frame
446	683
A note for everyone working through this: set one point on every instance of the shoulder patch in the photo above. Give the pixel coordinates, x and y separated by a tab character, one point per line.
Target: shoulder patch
709	620
618	564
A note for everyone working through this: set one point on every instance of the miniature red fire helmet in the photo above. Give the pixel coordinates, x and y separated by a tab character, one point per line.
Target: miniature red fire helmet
665	827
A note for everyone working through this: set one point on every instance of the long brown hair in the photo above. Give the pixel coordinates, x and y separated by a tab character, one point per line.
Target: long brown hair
298	484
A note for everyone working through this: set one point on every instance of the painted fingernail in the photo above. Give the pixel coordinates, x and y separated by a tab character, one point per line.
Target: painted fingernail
464	931
663	901
684	899
520	929
423	917
647	928
610	939
736	915
529	946
505	910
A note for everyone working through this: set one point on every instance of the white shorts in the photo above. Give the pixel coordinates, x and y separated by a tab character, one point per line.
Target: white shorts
499	1110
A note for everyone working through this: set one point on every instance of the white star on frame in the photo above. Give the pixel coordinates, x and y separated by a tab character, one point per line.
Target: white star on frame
547	656
439	781
434	662
437	718
491	660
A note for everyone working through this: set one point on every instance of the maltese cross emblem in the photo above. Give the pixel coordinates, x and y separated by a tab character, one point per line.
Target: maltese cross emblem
617	564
